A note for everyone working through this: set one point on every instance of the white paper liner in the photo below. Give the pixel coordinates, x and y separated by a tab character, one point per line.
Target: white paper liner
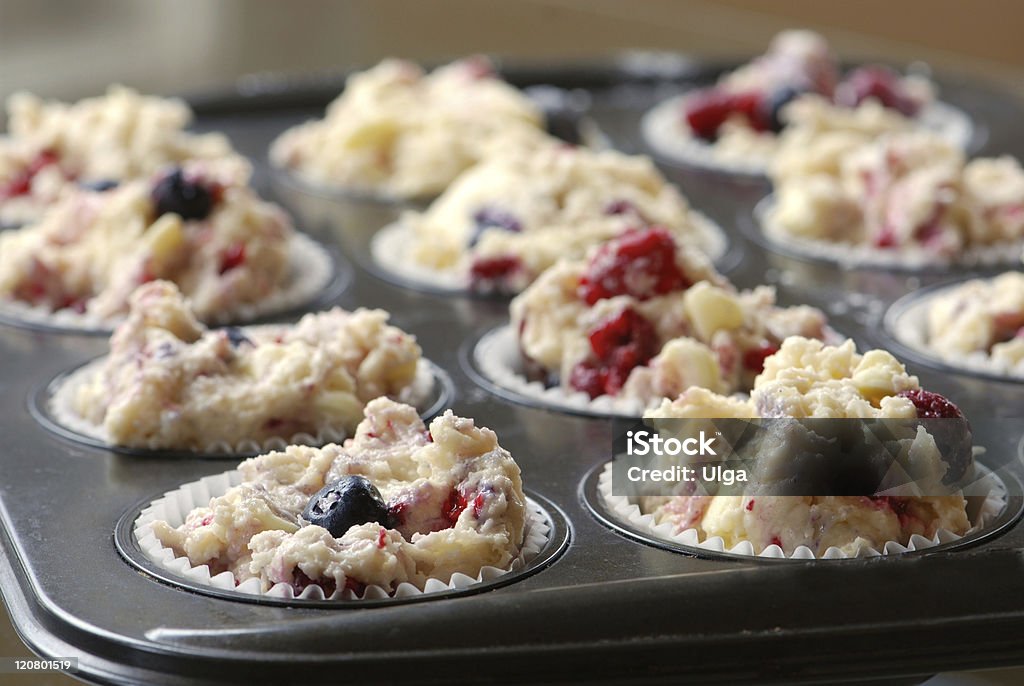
858	255
907	322
663	130
627	511
175	505
61	407
498	358
392	246
310	269
339	192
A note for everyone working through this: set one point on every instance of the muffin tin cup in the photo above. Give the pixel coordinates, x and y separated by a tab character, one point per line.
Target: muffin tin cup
51	405
347	217
315	276
850	256
905	331
546	535
493	360
660	132
998	504
391	258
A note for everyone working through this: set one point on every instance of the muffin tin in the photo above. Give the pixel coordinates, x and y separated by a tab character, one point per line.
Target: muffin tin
601	606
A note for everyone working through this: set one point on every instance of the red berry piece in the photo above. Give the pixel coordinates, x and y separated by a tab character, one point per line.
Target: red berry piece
753	359
932	405
21	184
232	258
453	507
952	438
707	110
619	344
638	263
880	83
493	273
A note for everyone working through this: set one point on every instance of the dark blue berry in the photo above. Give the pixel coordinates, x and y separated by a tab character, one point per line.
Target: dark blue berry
237	337
493	218
100	185
774	103
348	502
188	199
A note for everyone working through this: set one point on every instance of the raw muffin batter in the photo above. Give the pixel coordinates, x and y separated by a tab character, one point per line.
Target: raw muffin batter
793	94
398	132
647	317
808	379
981	316
908	193
96	142
199	226
450	500
508	219
171	383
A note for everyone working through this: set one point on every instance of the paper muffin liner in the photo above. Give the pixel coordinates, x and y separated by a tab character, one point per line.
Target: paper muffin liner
497	358
293	176
907	322
310	270
175	505
624	509
909	258
65	388
662	130
391	250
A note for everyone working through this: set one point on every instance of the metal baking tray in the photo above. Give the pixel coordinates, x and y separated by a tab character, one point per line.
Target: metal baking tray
606	608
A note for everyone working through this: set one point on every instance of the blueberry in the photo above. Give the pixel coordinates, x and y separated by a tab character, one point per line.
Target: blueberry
100	185
349	501
188	199
493	218
774	103
237	337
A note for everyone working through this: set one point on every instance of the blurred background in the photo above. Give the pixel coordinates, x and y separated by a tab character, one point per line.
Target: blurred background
71	49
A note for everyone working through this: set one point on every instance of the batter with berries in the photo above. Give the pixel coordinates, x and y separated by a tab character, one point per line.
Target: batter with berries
170	383
199	226
809	379
396	132
907	197
398	502
794	92
982	319
646	317
96	143
512	216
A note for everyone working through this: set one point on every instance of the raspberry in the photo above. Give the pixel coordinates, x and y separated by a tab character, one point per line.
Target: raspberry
753	359
641	263
932	405
493	273
22	182
453	506
233	257
620	344
707	110
877	82
953	439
